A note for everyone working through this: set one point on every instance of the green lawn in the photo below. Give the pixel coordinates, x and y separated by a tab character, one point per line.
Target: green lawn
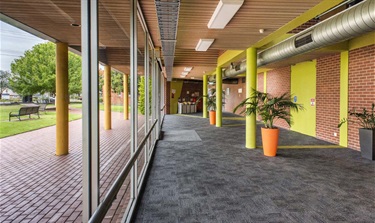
114	108
16	127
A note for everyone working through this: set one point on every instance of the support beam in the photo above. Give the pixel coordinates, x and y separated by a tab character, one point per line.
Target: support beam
344	96
126	96
264	82
219	97
251	83
107	98
205	94
134	97
62	100
147	94
90	107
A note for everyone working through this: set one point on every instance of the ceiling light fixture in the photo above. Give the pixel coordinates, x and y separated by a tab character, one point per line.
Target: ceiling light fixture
185	73
261	30
188	69
223	13
204	44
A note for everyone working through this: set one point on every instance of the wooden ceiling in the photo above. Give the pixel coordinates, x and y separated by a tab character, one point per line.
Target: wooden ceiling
54	18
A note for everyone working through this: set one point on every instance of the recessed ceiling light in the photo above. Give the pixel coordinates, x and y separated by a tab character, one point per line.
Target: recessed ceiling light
188	69
223	13
185	73
192	78
204	44
261	30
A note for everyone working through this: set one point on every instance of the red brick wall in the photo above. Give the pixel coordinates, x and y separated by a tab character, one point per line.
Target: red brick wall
328	98
117	99
234	98
260	82
278	82
361	85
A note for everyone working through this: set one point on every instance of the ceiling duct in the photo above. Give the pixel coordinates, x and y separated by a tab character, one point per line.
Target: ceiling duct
167	12
353	22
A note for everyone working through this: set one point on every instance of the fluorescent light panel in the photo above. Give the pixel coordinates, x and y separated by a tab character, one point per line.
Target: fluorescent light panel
185	73
204	44
224	12
188	69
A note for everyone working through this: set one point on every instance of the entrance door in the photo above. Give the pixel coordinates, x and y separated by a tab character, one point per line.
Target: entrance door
303	88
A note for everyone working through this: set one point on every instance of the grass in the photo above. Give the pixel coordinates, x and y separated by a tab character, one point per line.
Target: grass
114	108
16	127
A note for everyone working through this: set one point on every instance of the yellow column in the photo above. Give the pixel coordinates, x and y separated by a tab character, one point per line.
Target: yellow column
62	100
205	94
219	97
251	83
344	89
265	82
126	97
107	97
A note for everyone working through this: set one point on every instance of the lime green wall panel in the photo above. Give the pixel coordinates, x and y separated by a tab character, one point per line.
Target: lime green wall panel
303	87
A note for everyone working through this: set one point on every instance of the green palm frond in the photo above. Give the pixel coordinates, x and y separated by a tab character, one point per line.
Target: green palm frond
268	107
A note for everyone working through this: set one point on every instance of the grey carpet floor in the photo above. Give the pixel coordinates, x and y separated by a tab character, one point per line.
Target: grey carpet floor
218	180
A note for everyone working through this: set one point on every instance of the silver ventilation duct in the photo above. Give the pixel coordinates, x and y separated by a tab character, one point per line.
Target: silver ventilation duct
353	22
167	12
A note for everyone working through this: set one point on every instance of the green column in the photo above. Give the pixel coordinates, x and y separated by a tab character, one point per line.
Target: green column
205	94
251	83
344	89
219	95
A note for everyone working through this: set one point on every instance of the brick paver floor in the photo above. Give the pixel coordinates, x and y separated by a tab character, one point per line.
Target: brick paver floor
37	186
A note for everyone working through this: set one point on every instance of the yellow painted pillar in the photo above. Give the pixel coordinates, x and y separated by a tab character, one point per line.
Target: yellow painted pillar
62	100
107	98
265	82
344	89
126	97
205	94
251	83
219	97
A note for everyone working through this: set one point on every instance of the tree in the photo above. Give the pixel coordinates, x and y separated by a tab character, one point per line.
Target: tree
4	81
75	73
141	92
35	72
117	82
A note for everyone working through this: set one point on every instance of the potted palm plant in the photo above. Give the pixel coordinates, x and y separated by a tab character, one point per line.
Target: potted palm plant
269	108
211	105
365	119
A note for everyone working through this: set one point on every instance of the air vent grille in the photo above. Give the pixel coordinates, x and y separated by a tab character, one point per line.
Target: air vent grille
303	40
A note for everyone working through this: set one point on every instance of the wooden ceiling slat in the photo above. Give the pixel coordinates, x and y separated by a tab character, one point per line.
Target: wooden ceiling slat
53	17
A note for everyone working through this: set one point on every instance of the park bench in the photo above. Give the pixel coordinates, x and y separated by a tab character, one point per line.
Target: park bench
25	111
42	107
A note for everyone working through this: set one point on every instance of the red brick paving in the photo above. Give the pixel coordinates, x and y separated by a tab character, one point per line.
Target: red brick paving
37	186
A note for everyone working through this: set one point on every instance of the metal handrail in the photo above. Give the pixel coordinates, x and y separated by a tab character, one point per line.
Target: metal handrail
162	108
104	206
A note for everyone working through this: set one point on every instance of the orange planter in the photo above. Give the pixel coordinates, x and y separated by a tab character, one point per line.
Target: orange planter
270	139
212	117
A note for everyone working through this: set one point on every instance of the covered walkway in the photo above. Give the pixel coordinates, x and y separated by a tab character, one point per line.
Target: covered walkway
201	173
37	186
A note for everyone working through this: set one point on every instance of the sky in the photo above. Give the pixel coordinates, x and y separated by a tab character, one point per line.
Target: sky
13	43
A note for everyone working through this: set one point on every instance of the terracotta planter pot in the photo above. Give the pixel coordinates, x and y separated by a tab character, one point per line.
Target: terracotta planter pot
213	117
270	139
